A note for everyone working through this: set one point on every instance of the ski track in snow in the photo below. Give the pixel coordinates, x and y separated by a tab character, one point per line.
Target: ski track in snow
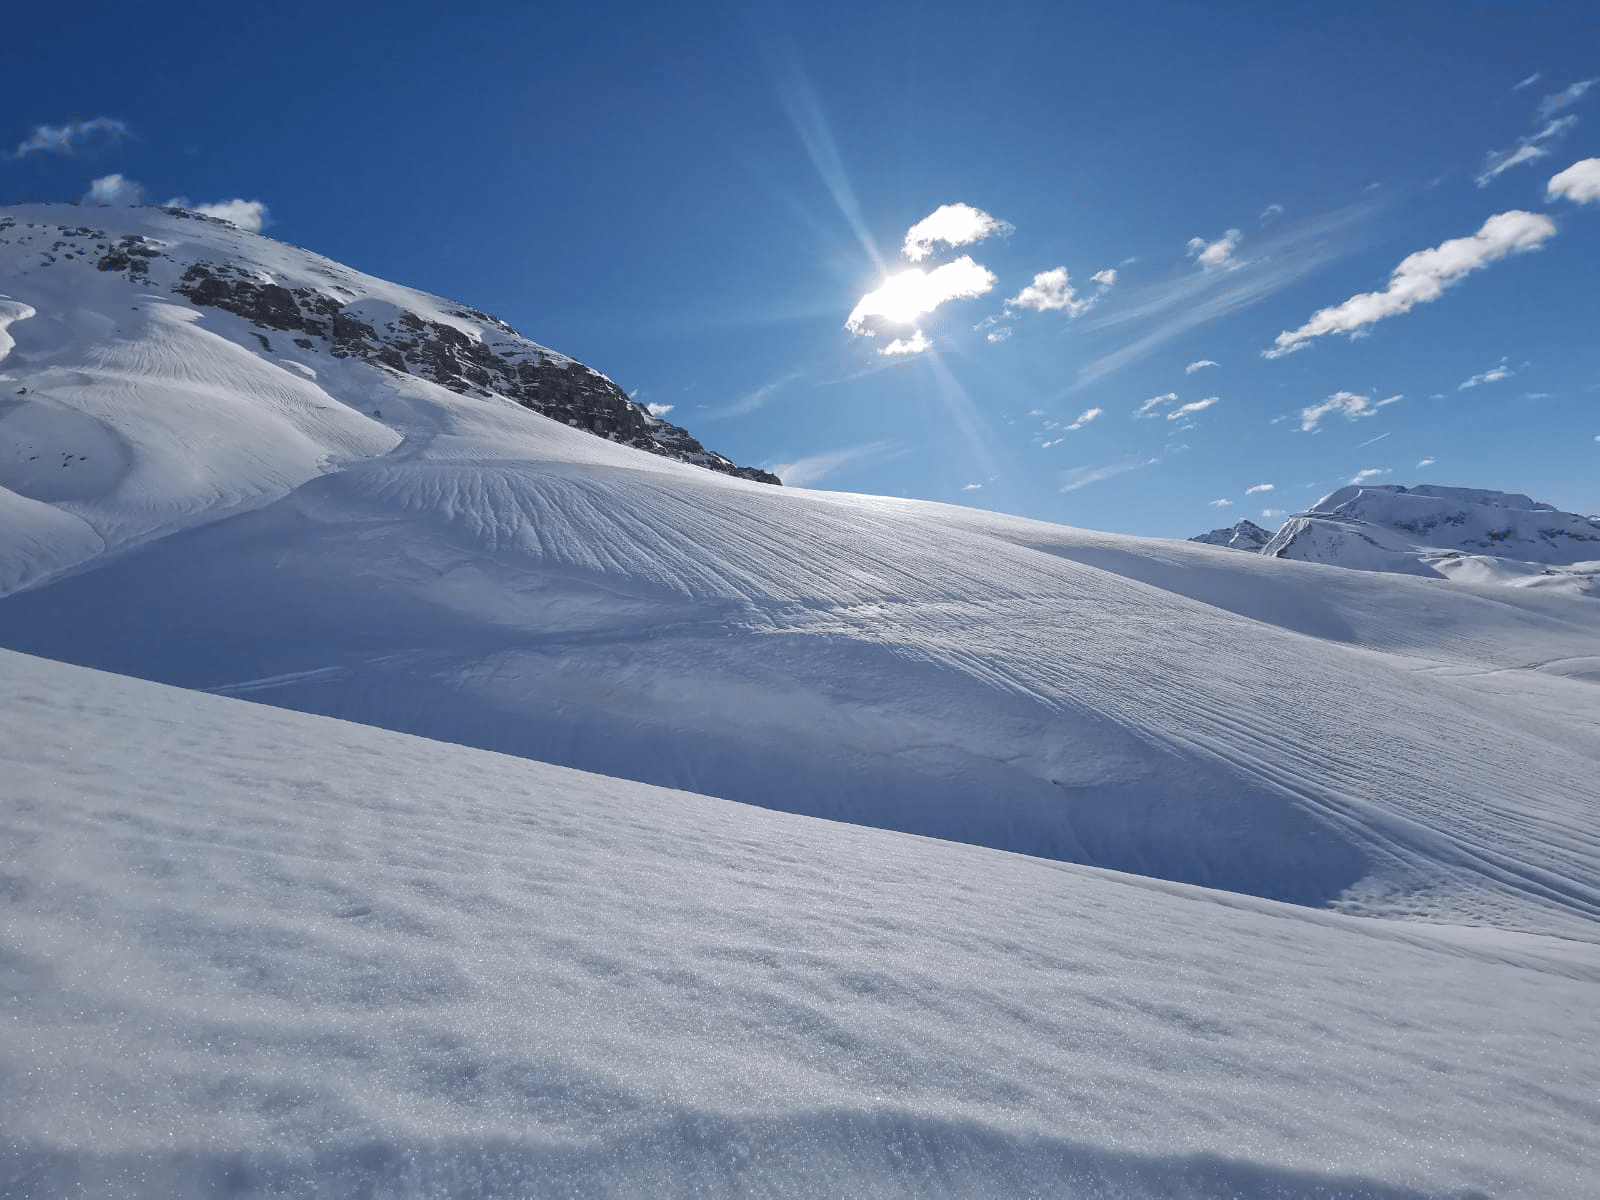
256	952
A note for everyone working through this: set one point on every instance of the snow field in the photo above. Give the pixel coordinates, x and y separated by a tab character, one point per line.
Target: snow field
264	953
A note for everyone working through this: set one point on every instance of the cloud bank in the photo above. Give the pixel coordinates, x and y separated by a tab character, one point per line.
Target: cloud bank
1423	277
954	225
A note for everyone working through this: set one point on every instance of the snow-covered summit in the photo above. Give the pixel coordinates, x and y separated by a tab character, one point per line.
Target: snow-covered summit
1246	535
1461	533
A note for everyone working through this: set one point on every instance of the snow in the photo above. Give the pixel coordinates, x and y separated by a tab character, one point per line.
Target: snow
256	951
1463	534
253	952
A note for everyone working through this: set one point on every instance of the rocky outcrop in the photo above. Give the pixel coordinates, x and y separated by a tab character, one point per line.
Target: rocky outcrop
556	386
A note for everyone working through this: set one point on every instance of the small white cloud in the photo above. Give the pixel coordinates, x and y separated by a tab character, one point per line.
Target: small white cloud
659	410
1260	487
1492	375
1579	183
952	224
1369	474
113	191
1427	462
1423	277
1348	403
1001	334
72	137
1084	418
1155	402
902	298
1565	98
1219	503
1270	211
1105	278
1536	395
1050	290
1193	406
1199	364
249	215
971	487
1273	512
1528	82
1213	255
915	344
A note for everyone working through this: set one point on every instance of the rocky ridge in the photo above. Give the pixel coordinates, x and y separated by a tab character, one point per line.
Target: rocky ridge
1246	535
472	353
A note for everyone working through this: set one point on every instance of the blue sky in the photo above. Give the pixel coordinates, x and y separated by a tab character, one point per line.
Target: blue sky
695	199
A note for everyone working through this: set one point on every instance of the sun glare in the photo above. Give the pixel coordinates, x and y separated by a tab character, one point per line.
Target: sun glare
904	297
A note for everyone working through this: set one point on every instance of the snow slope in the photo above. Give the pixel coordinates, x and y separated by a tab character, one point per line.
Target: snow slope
329	534
250	952
1460	533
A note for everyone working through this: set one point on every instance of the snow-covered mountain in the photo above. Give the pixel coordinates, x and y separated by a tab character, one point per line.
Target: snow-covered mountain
222	508
1460	533
257	952
1246	535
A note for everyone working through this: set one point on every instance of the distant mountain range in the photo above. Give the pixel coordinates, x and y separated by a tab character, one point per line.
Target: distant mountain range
1464	534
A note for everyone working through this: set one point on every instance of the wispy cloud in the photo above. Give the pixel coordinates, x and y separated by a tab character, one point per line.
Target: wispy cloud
1534	146
72	137
1219	503
808	470
1001	334
915	344
1369	474
1351	406
113	191
1173	307
1260	487
1369	441
1084	418
1269	212
1579	183
1427	462
1423	276
753	399
954	225
1565	98
903	298
1193	406
1492	375
1214	255
1081	477
971	487
1199	364
1528	82
1155	402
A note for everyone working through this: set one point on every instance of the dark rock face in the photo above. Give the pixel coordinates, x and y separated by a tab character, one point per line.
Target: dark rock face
559	388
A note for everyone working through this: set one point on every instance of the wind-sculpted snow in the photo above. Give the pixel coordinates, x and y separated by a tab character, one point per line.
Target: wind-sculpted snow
906	665
256	953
